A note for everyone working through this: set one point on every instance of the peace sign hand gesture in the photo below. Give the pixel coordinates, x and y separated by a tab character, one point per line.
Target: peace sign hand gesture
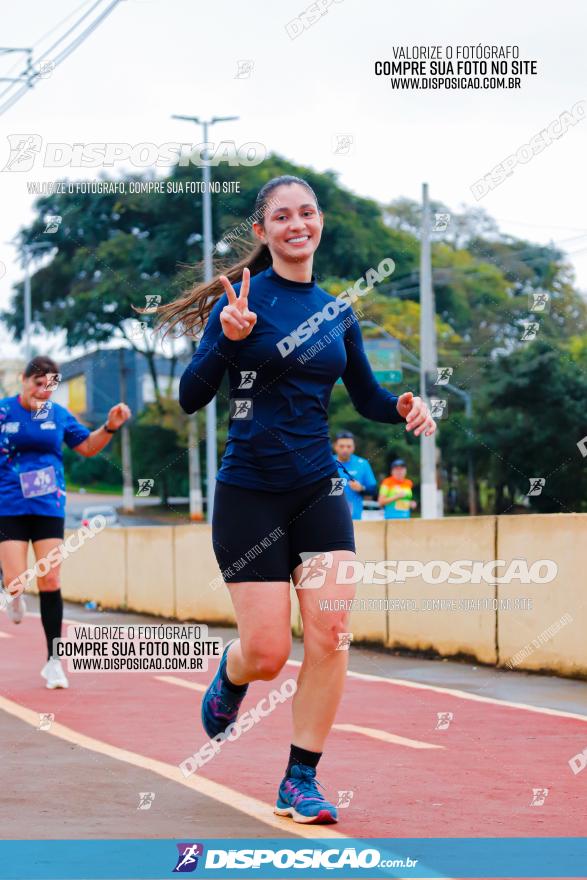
236	318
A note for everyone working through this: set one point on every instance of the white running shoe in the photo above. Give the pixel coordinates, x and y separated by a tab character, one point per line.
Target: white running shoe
16	609
53	672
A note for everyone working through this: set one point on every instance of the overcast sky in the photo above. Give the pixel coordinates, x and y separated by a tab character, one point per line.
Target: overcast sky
151	58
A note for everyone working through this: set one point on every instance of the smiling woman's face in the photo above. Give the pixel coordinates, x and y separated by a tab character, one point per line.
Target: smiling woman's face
292	225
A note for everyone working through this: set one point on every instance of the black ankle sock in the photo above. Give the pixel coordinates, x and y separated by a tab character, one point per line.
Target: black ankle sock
51	616
228	684
302	756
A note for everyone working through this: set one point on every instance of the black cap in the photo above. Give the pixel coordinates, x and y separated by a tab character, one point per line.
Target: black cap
399	462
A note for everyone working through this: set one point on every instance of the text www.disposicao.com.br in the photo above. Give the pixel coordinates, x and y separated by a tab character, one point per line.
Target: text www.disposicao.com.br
133	664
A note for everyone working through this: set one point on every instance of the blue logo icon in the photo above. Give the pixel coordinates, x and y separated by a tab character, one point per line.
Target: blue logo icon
187	860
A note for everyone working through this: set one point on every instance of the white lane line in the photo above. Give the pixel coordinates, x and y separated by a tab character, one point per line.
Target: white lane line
173	679
376	733
463	695
373	732
229	797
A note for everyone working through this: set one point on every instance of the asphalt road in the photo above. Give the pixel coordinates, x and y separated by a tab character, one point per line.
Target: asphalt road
117	734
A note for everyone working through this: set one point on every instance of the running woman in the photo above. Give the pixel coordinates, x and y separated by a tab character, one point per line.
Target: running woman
32	491
279	501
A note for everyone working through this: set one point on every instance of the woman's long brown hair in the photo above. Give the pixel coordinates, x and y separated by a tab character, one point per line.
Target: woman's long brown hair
191	309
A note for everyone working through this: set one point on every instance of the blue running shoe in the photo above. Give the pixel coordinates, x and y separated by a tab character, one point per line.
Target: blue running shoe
299	798
219	705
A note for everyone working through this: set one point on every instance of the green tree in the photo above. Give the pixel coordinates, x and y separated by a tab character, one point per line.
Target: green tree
528	426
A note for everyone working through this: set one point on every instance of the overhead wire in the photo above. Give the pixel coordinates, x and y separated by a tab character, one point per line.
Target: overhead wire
12	99
38	42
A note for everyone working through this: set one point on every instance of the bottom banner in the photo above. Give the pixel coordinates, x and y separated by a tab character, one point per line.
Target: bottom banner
530	857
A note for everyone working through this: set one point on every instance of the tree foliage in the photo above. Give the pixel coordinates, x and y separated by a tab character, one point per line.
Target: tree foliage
112	251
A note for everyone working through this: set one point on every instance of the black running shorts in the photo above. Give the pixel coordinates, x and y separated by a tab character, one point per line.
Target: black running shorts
31	527
259	535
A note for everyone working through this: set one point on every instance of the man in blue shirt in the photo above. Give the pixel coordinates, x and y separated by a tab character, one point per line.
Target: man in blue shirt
359	477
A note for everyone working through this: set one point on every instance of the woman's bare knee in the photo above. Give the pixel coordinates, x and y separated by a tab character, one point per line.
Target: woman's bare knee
266	660
49	582
326	634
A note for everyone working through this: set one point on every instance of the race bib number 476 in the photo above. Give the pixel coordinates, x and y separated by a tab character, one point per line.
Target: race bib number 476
40	482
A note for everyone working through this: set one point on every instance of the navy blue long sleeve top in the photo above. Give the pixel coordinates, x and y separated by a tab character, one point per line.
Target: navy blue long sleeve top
278	437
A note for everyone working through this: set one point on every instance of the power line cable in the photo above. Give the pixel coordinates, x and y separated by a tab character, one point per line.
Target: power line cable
64	53
44	37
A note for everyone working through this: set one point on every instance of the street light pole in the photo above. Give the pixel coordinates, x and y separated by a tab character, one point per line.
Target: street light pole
128	501
27	305
28	251
431	508
211	419
211	414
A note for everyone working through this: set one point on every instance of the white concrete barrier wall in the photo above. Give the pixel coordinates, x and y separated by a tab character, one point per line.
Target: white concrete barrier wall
553	635
98	570
171	571
431	626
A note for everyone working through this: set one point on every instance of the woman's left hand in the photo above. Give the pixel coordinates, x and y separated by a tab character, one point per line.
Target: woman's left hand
416	413
118	415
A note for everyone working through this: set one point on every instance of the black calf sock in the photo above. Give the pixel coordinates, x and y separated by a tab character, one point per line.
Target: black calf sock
302	756
51	616
234	688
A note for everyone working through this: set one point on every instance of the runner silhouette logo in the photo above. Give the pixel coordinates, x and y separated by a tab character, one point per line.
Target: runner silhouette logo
314	566
187	860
